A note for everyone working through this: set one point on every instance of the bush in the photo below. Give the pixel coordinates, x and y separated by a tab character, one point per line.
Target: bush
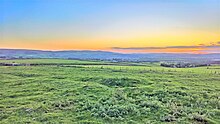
120	82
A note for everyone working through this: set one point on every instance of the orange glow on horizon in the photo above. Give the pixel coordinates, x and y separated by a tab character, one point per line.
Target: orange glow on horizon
106	43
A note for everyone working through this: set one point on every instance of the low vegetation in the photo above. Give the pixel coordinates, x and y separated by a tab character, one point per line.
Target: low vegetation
183	65
97	92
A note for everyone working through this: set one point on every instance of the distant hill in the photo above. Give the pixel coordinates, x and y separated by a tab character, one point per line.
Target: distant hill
104	55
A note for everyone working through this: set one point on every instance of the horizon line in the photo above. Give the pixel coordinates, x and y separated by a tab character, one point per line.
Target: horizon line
89	50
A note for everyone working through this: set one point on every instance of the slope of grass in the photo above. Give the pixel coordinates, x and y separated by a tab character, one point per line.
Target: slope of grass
108	93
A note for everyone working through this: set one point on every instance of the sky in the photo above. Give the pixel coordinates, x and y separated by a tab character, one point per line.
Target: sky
127	26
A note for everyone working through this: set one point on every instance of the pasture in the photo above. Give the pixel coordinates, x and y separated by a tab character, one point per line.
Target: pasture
90	92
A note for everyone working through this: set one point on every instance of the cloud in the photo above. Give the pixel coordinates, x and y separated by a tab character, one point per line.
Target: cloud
168	47
201	44
137	48
183	47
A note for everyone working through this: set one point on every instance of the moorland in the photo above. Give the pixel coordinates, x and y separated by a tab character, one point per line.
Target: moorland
74	91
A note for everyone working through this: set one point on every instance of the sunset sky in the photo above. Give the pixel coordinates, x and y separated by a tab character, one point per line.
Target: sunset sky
188	26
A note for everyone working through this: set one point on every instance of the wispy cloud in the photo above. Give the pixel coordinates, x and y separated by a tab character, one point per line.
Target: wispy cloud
137	48
212	45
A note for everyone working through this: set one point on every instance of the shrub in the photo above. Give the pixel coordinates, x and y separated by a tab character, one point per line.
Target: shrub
120	82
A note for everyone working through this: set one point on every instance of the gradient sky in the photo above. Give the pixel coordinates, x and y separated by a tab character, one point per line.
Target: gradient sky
189	26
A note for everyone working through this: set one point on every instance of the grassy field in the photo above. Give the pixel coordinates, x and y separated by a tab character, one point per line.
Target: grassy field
102	92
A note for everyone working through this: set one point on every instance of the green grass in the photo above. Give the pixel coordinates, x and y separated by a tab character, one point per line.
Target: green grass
94	92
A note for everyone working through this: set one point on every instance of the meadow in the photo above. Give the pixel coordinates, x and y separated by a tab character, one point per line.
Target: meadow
90	92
